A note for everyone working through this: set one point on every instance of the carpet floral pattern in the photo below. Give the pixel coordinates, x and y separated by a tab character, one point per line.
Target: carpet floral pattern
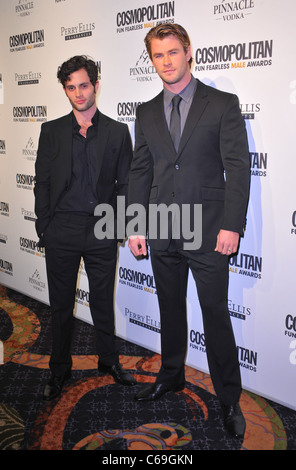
95	413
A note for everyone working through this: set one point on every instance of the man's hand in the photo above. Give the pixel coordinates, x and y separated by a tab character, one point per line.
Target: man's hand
227	242
137	245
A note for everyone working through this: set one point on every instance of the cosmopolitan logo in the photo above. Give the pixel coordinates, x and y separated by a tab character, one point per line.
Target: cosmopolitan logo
258	164
25	181
238	311
197	341
241	55
145	321
6	267
143	70
82	297
145	17
247	358
137	280
23	41
246	265
31	246
127	111
77	32
29	78
2	147
229	11
29	113
4	208
293	229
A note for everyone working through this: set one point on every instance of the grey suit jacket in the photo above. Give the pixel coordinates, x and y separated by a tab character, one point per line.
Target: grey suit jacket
211	167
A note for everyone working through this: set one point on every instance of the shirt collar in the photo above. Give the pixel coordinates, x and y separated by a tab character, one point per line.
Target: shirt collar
186	93
95	120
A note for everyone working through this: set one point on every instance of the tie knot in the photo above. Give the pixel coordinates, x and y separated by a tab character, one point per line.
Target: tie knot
176	101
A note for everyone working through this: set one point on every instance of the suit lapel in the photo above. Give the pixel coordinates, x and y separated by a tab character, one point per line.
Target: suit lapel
160	123
103	135
198	105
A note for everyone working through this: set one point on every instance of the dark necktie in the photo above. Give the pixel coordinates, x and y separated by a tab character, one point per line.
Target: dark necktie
175	123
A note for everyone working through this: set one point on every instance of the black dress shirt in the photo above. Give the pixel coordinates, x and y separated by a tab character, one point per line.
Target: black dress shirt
80	196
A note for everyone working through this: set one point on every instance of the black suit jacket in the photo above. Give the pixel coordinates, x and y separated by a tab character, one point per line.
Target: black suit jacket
54	164
211	167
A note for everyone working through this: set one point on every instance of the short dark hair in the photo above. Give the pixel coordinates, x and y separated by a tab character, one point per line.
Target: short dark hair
166	29
76	63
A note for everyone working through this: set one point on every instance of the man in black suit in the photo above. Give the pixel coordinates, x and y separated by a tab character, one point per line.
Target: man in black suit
207	167
83	160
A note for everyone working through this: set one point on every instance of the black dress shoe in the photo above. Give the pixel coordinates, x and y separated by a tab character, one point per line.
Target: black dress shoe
156	391
234	420
54	387
120	375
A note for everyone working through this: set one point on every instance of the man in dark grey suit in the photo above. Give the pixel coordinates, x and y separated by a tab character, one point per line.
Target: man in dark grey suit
209	167
83	160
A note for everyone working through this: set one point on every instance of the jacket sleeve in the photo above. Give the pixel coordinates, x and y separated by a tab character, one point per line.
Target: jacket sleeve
42	181
236	162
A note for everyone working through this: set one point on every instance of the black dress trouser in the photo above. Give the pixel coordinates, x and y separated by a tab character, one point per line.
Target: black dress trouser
68	238
210	272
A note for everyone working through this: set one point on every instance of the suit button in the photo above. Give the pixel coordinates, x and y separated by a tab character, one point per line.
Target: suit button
173	194
177	167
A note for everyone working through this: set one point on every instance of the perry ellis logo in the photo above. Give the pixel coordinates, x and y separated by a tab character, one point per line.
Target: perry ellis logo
79	31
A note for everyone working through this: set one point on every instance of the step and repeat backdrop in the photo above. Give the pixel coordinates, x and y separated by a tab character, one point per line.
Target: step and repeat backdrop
245	47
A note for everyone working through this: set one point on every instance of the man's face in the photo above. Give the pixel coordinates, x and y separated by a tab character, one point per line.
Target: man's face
80	91
170	60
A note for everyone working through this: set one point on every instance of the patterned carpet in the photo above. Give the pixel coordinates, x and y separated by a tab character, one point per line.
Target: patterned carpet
95	413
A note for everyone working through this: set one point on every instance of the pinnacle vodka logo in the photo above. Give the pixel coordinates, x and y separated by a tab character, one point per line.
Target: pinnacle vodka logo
143	70
36	281
24	7
29	152
145	17
232	11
